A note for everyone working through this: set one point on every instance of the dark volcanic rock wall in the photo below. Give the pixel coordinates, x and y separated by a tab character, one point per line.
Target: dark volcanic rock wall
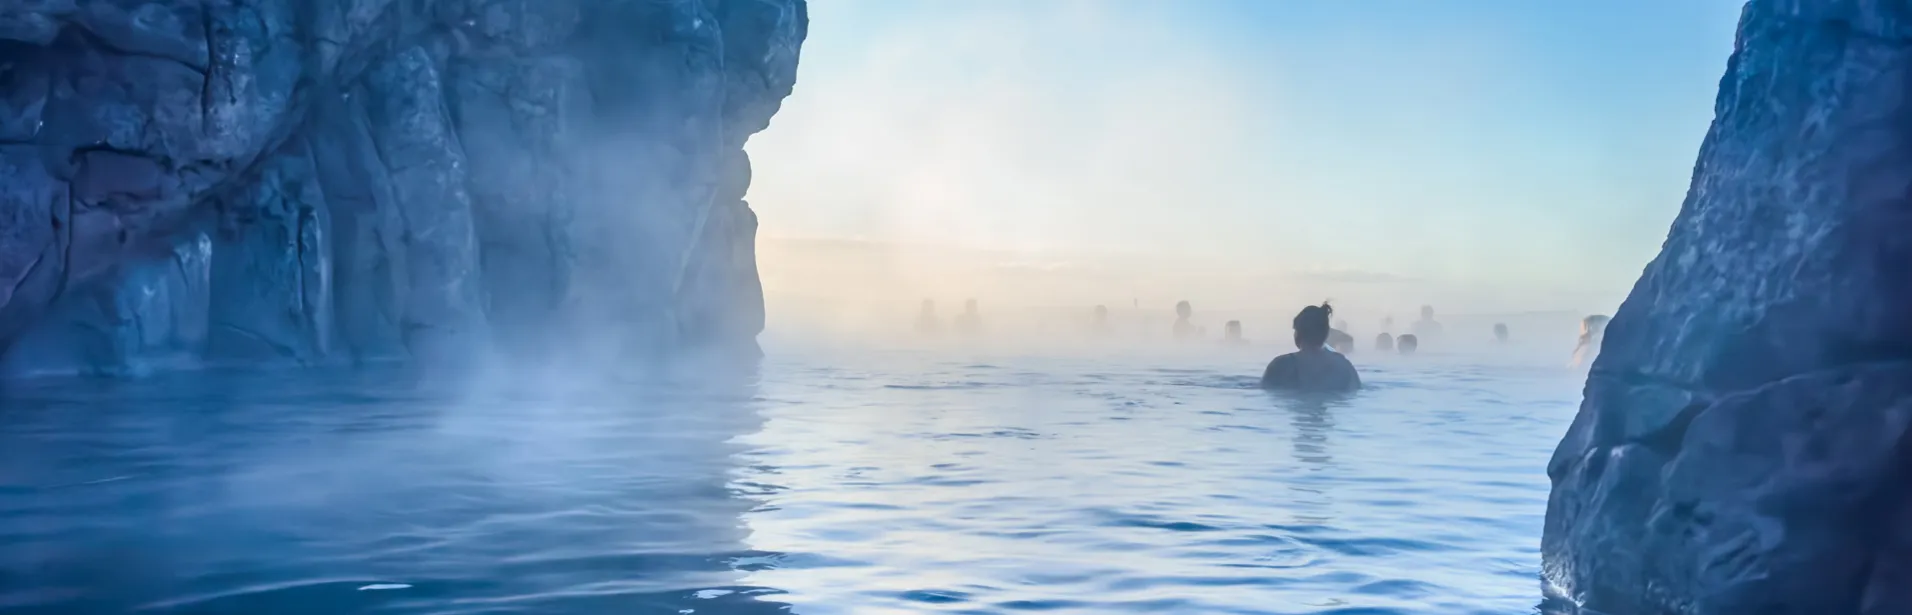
1743	444
319	180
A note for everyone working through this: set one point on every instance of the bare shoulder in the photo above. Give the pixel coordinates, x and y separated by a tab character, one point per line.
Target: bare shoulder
1279	371
1352	375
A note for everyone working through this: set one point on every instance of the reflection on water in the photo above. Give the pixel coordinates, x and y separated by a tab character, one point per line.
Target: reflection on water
1312	420
857	482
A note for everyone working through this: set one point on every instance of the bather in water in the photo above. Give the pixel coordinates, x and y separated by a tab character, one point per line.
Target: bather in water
1184	328
1313	367
926	322
1500	332
1426	327
1099	325
1593	330
1408	343
1231	334
969	322
1340	341
1384	342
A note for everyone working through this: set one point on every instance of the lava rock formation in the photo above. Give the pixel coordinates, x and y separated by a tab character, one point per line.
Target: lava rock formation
1742	446
186	182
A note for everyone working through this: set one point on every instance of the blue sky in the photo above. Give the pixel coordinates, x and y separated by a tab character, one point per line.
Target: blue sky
1473	143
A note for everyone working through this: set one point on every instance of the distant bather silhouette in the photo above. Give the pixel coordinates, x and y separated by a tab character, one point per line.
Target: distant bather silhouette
1427	327
1500	332
926	321
1407	343
969	322
1312	367
1100	324
1185	329
1340	341
1384	342
1231	334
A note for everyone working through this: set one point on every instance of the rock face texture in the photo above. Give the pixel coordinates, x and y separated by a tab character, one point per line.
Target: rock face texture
1743	444
307	181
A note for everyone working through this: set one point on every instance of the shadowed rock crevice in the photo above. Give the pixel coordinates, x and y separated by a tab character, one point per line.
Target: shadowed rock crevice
1745	442
312	181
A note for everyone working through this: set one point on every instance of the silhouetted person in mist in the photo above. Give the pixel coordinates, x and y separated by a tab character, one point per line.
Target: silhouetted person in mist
1185	329
1407	343
926	321
1312	367
1340	341
1593	330
1427	327
969	322
1099	324
1384	342
1231	334
1500	332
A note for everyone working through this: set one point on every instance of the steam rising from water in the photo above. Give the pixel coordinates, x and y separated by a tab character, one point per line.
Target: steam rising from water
864	293
1045	158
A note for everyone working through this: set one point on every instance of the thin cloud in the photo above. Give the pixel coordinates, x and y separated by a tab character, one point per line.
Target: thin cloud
1352	276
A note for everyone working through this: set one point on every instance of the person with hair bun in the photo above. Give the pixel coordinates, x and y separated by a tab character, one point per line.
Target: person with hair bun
1312	367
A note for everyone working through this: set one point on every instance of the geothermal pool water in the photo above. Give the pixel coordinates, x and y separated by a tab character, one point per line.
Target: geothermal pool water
835	481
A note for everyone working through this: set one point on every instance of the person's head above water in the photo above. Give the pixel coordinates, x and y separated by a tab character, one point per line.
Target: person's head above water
1341	324
1427	312
1232	330
1384	342
1183	309
1407	343
1311	326
1500	331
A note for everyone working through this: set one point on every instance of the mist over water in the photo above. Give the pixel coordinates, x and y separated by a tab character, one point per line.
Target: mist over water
861	292
314	492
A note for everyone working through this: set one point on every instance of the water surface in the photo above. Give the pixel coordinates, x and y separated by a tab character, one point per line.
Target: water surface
898	481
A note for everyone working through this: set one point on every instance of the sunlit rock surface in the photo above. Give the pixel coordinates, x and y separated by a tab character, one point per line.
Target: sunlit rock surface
312	181
1742	447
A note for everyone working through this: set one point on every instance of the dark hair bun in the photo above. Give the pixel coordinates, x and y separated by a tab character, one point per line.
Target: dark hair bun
1313	318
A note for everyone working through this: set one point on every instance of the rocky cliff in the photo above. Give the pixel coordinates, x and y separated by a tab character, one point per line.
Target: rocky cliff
184	181
1743	443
